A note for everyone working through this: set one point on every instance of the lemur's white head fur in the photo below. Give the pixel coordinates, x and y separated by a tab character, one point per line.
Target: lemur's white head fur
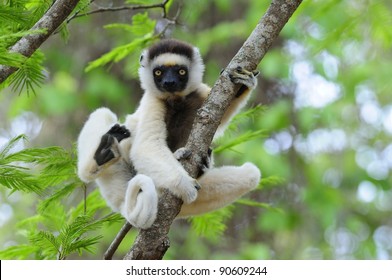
170	53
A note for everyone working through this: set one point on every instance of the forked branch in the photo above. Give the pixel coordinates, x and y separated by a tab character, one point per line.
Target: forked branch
153	242
49	22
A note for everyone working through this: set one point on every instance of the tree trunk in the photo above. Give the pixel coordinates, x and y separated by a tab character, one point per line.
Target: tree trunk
153	243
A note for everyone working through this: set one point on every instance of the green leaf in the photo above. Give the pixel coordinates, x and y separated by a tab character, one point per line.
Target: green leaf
11	59
142	26
15	176
18	252
4	151
61	192
30	74
119	53
253	203
10	15
248	136
212	225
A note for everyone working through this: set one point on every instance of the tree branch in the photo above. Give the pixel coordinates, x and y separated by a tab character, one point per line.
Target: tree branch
50	21
123	8
153	242
117	241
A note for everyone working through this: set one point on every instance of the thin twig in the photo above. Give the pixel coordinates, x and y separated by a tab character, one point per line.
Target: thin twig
76	14
121	8
117	241
169	22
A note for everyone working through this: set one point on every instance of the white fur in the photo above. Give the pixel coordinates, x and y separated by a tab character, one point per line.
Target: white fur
150	140
99	122
151	155
196	70
135	198
221	186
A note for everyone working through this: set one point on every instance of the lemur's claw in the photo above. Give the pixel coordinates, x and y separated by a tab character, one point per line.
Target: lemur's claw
197	186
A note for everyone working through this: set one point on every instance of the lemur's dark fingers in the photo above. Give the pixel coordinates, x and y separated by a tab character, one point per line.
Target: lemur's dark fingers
104	152
245	78
120	132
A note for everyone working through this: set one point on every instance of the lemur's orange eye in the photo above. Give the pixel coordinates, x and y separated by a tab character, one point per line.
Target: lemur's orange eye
182	72
157	72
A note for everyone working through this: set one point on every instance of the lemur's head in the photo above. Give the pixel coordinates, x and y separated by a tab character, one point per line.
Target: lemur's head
171	68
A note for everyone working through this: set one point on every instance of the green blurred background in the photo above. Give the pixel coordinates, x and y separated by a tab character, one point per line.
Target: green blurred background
326	123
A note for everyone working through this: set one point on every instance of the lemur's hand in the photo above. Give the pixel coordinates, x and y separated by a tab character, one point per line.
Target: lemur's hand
108	147
183	153
181	184
245	78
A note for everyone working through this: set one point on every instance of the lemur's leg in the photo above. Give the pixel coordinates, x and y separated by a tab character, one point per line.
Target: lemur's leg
103	156
248	82
134	197
221	186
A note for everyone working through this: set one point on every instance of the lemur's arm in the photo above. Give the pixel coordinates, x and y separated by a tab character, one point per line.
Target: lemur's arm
248	82
151	155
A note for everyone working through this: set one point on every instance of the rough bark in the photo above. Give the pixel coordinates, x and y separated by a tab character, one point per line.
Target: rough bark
153	242
28	44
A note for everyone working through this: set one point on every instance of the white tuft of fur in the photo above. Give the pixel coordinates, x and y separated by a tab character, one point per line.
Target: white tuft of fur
222	186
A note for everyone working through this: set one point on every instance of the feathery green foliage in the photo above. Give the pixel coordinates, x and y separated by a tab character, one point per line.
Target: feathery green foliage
212	225
234	137
30	74
57	230
16	19
141	31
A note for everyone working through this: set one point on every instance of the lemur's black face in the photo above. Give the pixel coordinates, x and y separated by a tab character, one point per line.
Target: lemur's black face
173	78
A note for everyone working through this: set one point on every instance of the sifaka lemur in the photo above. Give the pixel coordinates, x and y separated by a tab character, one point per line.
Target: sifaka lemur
131	162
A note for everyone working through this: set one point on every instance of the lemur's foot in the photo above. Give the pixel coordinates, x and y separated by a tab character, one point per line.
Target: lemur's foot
245	78
120	132
106	150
